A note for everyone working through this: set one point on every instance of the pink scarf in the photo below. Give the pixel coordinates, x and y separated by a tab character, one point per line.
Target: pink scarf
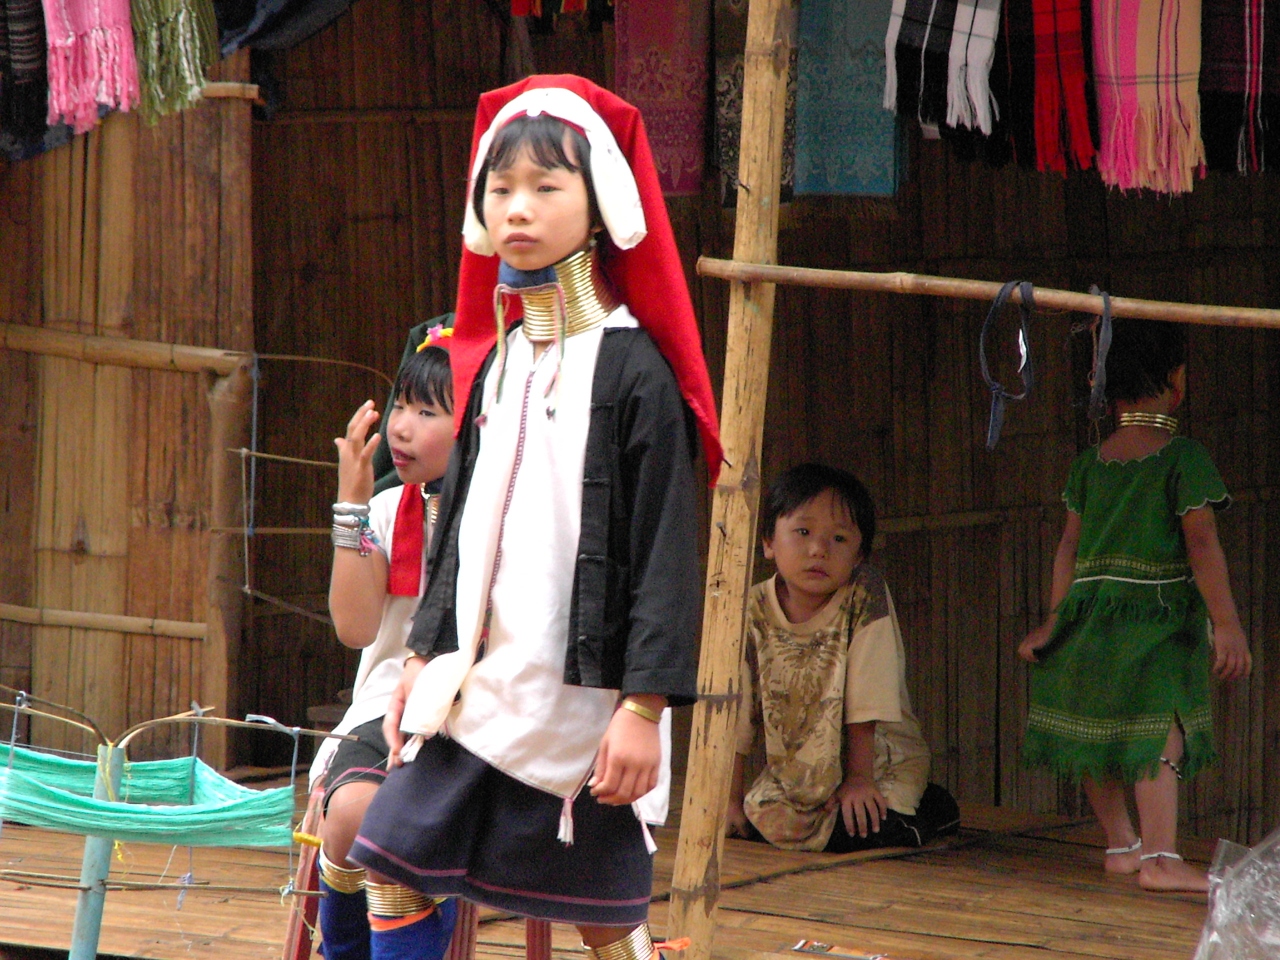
91	60
1146	59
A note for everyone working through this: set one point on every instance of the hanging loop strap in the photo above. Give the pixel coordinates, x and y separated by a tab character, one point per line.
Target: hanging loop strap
999	395
1101	345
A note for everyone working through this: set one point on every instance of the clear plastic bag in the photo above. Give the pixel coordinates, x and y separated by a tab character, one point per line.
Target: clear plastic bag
1244	903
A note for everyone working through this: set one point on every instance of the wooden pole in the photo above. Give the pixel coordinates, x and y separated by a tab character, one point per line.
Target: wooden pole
742	271
229	403
695	887
87	620
117	351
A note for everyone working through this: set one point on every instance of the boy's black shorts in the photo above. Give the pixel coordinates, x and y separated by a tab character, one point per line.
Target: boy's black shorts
363	759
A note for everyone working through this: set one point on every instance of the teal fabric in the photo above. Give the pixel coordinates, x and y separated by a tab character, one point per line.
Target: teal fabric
846	141
156	803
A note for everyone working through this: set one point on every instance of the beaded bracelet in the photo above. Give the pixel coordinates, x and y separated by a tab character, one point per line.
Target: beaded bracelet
358	537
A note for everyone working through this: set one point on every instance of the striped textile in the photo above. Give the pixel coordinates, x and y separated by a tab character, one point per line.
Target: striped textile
1240	84
91	60
1061	110
23	91
970	102
918	58
1146	57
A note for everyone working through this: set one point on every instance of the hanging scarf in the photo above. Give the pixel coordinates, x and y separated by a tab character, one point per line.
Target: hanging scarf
845	141
1240	84
973	47
177	43
661	67
1146	57
1061	110
23	91
730	19
916	73
408	538
91	60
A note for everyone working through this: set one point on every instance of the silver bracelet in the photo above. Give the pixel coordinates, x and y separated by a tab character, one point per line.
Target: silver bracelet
343	520
347	537
344	509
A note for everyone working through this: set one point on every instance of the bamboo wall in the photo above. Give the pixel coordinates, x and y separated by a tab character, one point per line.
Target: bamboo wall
20	229
137	232
358	187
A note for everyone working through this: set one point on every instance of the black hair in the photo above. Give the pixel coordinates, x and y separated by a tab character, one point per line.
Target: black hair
544	137
425	377
1143	357
802	483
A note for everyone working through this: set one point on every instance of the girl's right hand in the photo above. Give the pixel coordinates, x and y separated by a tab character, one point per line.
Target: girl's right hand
1231	657
355	455
395	709
735	820
1035	640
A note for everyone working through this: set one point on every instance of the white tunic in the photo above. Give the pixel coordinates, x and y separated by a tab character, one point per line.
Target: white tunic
517	550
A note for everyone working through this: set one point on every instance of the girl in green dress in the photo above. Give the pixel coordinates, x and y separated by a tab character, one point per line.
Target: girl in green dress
1142	610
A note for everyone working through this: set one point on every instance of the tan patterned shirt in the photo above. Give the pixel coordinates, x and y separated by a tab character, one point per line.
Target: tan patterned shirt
804	682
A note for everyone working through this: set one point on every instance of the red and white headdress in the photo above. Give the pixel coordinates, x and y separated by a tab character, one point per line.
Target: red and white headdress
645	268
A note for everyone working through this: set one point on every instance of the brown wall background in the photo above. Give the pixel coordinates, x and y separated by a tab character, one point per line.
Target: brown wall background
357	190
357	209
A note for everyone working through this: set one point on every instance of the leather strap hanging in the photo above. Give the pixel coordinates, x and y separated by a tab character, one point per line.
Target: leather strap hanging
999	395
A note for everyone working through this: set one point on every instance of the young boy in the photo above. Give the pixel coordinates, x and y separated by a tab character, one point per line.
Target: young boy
824	673
378	577
562	612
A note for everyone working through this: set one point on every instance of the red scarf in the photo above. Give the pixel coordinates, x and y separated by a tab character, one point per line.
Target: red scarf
407	543
1060	111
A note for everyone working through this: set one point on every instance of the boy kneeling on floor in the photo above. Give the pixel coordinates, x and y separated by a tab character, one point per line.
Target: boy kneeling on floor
824	674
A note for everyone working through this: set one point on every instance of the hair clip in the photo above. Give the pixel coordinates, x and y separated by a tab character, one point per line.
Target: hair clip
438	336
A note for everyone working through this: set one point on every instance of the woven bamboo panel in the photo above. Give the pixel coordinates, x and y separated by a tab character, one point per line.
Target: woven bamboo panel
20	240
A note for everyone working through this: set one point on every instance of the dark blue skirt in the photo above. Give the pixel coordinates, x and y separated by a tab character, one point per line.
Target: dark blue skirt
450	825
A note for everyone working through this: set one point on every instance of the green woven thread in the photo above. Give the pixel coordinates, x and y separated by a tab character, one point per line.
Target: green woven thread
57	794
176	42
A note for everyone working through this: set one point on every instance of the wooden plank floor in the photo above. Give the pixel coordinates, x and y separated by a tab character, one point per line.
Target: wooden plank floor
1012	887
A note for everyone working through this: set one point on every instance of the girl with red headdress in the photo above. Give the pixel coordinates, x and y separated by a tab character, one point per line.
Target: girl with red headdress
561	617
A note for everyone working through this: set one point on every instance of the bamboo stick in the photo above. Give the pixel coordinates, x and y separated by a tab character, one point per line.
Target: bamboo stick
1045	297
227	90
88	620
229	404
695	886
118	351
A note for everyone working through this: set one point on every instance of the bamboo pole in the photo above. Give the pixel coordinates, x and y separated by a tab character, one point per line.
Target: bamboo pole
87	620
695	887
229	403
744	271
117	351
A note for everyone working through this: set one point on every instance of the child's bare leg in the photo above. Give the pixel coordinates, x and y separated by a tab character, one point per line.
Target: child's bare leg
1108	802
1157	801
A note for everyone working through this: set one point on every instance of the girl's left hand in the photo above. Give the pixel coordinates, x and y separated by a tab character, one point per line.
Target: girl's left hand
629	759
1231	660
1035	641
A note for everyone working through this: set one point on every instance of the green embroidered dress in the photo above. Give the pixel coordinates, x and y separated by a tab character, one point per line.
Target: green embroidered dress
1130	654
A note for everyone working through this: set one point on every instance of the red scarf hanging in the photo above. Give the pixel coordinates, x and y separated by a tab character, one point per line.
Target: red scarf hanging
1061	114
407	543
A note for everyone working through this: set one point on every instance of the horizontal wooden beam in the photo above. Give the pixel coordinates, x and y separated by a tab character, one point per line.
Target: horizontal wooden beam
223	90
46	617
1048	298
118	351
